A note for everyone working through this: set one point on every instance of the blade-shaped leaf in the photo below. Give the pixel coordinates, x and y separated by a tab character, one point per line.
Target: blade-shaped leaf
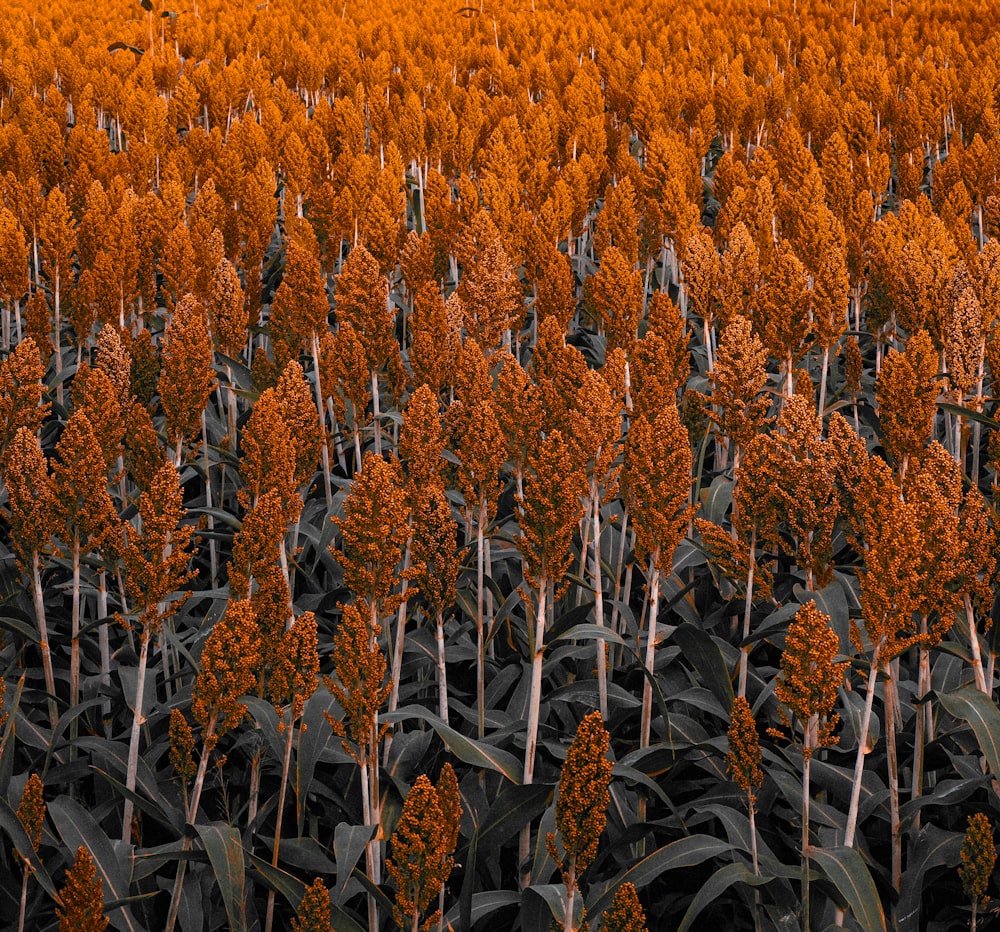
715	886
476	753
685	852
484	904
77	828
348	844
698	647
515	807
844	868
11	824
225	852
934	848
979	710
314	734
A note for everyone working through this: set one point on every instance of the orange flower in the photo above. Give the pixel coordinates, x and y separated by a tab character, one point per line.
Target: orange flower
661	363
181	746
33	514
372	529
82	897
360	687
906	394
744	755
626	913
615	294
227	310
21	392
809	679
229	664
295	674
156	561
738	381
187	377
31	810
581	807
978	855
550	512
422	847
657	485
314	910
269	457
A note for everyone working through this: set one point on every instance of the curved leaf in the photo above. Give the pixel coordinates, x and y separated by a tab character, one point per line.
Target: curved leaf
844	868
979	710
483	905
225	852
515	807
11	824
77	827
348	844
476	753
934	848
685	852
698	647
716	885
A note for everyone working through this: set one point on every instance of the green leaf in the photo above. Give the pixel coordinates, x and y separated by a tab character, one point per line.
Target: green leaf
11	824
348	845
589	632
225	852
483	905
267	720
685	852
979	710
314	735
77	827
934	848
515	807
698	647
715	886
476	753
845	869
542	903
969	414
113	755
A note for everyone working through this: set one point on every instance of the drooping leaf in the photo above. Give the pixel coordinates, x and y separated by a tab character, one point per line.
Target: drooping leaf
979	710
844	868
225	852
77	827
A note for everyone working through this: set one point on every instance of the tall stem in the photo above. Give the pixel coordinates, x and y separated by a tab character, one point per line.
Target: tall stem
325	449
602	654
192	814
977	657
74	657
442	669
24	898
922	718
534	703
568	918
811	727
822	382
647	688
748	603
893	768
376	414
859	764
133	744
43	638
213	559
480	649
279	815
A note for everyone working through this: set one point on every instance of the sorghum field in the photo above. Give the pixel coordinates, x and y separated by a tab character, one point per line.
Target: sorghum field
510	466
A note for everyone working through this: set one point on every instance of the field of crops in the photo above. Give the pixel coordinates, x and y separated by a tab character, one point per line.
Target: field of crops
499	467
